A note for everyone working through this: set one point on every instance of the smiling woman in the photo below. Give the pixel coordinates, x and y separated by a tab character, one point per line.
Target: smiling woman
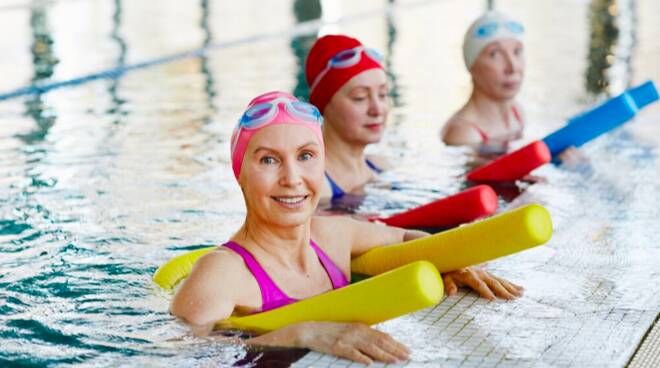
282	253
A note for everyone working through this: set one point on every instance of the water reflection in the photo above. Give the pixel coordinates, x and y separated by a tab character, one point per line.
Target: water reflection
389	56
209	85
602	43
116	101
44	61
303	11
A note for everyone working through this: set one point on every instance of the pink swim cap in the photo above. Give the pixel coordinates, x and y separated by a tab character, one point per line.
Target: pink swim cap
269	109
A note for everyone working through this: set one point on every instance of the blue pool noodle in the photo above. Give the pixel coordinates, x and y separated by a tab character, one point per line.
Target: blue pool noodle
644	94
609	115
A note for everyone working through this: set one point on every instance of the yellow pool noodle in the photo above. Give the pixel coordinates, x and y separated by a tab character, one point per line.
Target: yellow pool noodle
468	245
178	268
403	290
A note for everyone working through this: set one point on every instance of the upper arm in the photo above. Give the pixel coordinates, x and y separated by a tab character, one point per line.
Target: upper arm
344	238
367	235
207	295
456	134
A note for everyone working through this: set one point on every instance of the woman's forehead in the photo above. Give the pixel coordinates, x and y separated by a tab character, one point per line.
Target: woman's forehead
282	137
369	79
503	43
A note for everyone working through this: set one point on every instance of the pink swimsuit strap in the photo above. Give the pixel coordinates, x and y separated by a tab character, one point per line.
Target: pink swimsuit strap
271	295
484	136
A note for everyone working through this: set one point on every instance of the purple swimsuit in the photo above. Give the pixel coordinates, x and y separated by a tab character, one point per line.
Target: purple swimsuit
271	295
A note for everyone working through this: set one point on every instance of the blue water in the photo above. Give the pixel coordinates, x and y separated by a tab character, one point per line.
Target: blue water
103	179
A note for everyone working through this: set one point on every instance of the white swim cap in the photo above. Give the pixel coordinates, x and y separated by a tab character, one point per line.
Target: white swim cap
489	27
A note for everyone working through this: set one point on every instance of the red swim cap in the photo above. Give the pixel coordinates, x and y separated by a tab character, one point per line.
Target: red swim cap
323	50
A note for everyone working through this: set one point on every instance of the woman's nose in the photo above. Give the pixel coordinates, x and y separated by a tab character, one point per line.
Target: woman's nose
291	174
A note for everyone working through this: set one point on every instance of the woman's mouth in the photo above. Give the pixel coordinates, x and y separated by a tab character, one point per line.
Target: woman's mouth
511	85
374	126
291	201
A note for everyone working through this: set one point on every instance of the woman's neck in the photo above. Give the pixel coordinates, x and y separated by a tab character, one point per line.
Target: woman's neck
286	246
493	109
342	156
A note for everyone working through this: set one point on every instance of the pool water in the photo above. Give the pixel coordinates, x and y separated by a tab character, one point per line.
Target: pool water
115	118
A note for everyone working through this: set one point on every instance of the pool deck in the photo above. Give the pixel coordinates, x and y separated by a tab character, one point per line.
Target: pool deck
454	339
648	352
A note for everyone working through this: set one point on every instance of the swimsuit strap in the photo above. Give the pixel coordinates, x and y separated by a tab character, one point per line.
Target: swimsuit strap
337	277
482	133
373	166
336	189
517	115
271	295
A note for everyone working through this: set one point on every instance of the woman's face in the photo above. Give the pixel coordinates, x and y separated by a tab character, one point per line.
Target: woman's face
282	175
499	69
358	111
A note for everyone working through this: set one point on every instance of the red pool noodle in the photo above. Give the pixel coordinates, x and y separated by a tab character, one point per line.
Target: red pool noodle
514	165
456	209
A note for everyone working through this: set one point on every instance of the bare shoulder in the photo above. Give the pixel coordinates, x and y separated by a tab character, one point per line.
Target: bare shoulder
324	227
208	294
214	274
457	132
218	261
333	232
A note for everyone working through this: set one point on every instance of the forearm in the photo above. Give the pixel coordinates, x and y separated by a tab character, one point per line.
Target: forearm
289	336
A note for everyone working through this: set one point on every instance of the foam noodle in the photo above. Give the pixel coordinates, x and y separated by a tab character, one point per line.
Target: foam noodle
514	165
600	120
468	245
592	124
644	94
459	208
403	290
178	268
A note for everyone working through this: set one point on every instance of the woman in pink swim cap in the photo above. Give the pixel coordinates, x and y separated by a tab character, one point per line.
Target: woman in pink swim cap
284	253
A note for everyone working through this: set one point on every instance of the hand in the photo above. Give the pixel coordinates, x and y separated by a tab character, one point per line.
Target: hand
354	341
487	285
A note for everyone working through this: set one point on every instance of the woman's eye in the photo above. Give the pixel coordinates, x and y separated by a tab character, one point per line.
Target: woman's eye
268	160
359	98
306	156
518	51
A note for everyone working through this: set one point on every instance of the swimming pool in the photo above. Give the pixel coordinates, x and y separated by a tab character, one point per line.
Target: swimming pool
104	179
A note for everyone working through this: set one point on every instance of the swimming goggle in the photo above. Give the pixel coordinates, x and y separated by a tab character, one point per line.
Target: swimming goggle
346	59
489	29
262	113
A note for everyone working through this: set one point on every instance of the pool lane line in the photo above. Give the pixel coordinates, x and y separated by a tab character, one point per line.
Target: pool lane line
299	29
